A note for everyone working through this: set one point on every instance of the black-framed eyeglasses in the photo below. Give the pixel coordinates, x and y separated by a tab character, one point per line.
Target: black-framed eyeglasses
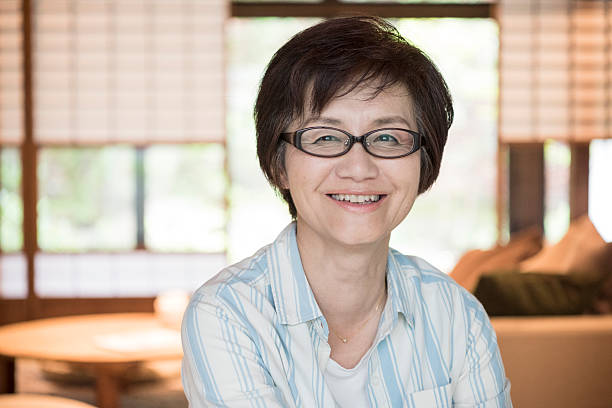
324	141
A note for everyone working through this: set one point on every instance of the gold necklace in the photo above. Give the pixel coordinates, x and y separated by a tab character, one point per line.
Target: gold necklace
376	309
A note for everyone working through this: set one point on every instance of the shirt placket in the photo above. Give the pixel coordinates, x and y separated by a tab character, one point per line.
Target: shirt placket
323	353
376	388
323	349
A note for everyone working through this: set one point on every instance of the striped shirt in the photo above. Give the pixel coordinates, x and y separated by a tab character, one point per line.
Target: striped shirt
253	336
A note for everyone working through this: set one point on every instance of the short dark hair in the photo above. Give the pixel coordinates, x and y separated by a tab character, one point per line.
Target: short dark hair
320	62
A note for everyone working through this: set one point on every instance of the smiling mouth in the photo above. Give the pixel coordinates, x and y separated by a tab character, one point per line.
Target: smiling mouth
357	198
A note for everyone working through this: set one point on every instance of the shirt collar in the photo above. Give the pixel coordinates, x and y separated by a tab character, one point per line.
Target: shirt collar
399	287
294	300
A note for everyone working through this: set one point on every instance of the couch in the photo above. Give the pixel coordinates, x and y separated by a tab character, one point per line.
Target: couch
560	361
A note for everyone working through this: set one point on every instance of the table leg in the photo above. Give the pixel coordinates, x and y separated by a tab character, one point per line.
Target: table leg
107	387
7	375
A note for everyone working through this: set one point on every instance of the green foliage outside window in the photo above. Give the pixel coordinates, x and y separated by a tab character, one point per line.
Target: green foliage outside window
86	199
185	198
11	207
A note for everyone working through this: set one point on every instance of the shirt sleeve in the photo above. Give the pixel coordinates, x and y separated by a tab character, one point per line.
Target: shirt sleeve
222	366
483	381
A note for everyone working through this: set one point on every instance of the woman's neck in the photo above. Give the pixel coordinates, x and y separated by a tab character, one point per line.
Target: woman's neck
348	282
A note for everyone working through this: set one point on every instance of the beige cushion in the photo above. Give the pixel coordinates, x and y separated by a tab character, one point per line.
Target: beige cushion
581	250
466	272
475	263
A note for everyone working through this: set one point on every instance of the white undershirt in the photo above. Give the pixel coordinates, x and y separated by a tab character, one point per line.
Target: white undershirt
348	386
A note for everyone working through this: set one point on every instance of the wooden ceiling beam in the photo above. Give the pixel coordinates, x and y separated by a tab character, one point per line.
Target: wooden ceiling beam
334	8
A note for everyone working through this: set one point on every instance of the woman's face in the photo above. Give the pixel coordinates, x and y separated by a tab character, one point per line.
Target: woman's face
320	186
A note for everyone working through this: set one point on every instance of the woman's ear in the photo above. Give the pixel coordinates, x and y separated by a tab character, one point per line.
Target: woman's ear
282	177
282	168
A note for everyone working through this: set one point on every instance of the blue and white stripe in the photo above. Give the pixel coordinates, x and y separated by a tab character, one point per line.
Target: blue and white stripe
254	336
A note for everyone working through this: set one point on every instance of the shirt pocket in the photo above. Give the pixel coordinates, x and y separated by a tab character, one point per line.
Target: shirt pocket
439	397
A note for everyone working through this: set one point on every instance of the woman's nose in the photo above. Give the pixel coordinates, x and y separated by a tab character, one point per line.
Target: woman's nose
357	164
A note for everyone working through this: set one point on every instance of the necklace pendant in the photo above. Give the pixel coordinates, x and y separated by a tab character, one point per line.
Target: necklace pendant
344	340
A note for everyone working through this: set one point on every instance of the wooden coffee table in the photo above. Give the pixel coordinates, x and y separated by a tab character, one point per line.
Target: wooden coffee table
108	343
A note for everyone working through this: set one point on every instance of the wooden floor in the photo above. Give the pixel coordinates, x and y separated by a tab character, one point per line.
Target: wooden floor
164	393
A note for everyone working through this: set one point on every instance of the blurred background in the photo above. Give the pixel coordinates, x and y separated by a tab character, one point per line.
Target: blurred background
140	146
127	146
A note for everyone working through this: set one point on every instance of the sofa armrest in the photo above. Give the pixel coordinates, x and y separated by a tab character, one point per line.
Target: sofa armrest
563	361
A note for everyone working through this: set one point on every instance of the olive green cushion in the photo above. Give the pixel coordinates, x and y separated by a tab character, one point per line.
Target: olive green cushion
511	293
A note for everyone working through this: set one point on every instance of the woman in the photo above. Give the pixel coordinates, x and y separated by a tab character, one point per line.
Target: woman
351	124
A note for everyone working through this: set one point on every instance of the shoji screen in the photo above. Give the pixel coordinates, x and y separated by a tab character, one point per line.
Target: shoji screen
555	70
11	95
128	71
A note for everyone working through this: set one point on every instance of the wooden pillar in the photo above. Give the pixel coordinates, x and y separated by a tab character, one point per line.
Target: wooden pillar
579	180
29	158
525	186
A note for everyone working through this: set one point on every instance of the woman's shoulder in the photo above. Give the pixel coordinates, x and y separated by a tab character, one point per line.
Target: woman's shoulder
234	286
434	296
432	283
410	266
252	273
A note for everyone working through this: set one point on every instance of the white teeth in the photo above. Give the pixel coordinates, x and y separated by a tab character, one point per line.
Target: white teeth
356	198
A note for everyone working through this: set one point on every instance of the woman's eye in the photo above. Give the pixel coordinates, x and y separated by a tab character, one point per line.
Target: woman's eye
327	139
385	138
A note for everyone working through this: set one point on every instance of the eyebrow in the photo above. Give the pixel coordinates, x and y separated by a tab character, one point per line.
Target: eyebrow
324	120
386	120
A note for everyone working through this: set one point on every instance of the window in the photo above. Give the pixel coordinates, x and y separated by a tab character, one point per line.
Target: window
12	264
129	146
557	161
557	158
600	193
86	199
11	208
